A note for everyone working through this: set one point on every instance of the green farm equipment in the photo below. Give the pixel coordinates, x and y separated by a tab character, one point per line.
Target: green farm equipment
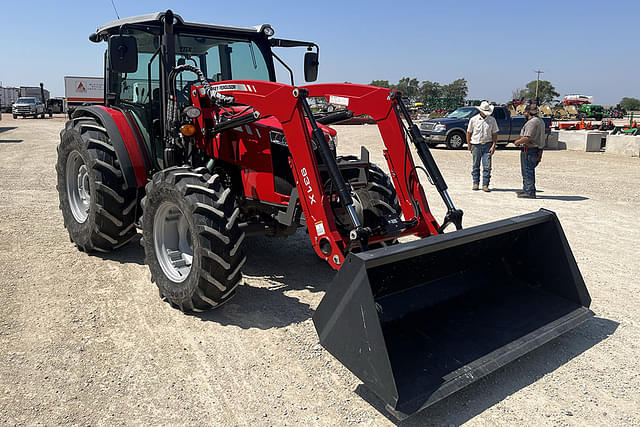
591	111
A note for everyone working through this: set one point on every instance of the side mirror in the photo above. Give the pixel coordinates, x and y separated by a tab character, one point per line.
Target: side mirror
311	66
123	54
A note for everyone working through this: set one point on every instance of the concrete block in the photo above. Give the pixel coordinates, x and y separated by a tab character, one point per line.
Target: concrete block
625	145
552	141
579	140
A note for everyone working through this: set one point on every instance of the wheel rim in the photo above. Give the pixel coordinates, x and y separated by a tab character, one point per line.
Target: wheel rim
456	141
78	187
172	241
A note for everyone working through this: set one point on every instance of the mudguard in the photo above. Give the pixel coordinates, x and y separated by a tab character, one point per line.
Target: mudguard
126	140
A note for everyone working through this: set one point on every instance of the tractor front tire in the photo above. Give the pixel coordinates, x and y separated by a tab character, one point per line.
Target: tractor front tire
98	211
192	241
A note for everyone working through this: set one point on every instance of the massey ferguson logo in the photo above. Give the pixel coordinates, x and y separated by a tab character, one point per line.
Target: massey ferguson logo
81	88
307	182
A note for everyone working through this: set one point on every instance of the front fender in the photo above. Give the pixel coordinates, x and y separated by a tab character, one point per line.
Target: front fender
130	152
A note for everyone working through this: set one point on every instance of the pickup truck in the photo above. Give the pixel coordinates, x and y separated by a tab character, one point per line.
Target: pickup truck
452	129
28	106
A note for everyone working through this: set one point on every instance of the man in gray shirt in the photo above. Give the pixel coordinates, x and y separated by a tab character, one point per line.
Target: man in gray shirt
532	140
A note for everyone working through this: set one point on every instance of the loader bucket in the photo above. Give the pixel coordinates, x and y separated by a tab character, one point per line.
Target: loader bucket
420	320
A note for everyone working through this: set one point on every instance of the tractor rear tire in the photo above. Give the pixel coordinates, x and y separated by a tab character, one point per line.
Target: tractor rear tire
192	241
377	199
98	212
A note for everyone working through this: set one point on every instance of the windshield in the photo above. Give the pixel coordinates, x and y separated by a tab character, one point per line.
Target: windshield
463	113
26	101
221	59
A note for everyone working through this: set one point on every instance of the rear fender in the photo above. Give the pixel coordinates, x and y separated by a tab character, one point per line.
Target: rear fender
125	139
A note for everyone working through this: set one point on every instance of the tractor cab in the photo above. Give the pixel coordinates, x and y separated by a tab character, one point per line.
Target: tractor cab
143	50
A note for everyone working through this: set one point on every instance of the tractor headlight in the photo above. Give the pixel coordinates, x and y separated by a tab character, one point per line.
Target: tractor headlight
277	137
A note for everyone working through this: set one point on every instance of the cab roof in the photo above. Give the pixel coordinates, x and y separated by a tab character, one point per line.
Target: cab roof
155	18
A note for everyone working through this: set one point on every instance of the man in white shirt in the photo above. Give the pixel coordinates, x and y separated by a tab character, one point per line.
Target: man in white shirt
482	136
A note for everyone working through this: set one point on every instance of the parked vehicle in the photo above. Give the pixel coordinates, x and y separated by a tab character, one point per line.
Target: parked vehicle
591	111
36	92
55	105
8	95
226	151
80	91
28	106
452	129
576	99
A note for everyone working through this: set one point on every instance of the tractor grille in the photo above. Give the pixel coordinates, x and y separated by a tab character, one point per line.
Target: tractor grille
427	126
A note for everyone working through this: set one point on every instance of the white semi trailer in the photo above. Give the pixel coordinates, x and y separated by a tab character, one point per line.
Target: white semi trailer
8	96
83	91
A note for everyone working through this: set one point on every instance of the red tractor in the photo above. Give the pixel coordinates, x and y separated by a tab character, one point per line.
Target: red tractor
199	147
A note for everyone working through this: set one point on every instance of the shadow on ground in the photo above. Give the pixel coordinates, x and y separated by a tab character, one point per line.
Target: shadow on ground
564	198
486	392
274	268
8	141
509	190
543	197
131	253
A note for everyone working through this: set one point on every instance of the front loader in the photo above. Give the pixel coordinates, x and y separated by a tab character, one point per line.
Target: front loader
199	147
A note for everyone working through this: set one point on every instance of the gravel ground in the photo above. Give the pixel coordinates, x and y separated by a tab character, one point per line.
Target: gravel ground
86	340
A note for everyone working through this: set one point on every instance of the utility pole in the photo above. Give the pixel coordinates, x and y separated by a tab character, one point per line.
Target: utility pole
537	84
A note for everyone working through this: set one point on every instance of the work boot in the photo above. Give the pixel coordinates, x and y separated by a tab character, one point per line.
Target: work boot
524	195
485	188
519	192
475	187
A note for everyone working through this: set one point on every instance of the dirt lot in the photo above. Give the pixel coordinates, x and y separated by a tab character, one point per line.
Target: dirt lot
86	340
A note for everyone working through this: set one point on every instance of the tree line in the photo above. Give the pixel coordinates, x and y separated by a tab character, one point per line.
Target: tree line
458	89
418	91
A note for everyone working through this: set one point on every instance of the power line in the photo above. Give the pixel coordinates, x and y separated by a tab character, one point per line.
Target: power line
114	8
537	82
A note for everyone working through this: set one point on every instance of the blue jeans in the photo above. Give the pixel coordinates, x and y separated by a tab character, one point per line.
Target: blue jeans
529	159
480	152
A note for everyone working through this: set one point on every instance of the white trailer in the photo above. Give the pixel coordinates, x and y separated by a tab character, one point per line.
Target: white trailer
35	92
83	90
8	96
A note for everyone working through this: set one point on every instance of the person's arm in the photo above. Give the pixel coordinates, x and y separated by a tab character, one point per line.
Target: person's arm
525	135
469	133
494	136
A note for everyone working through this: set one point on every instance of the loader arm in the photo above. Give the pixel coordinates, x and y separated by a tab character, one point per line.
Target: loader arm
284	102
379	103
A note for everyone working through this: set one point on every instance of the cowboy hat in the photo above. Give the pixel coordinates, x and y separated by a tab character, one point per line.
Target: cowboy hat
485	108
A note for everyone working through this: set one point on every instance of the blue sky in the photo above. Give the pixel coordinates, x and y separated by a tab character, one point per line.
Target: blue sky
587	47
